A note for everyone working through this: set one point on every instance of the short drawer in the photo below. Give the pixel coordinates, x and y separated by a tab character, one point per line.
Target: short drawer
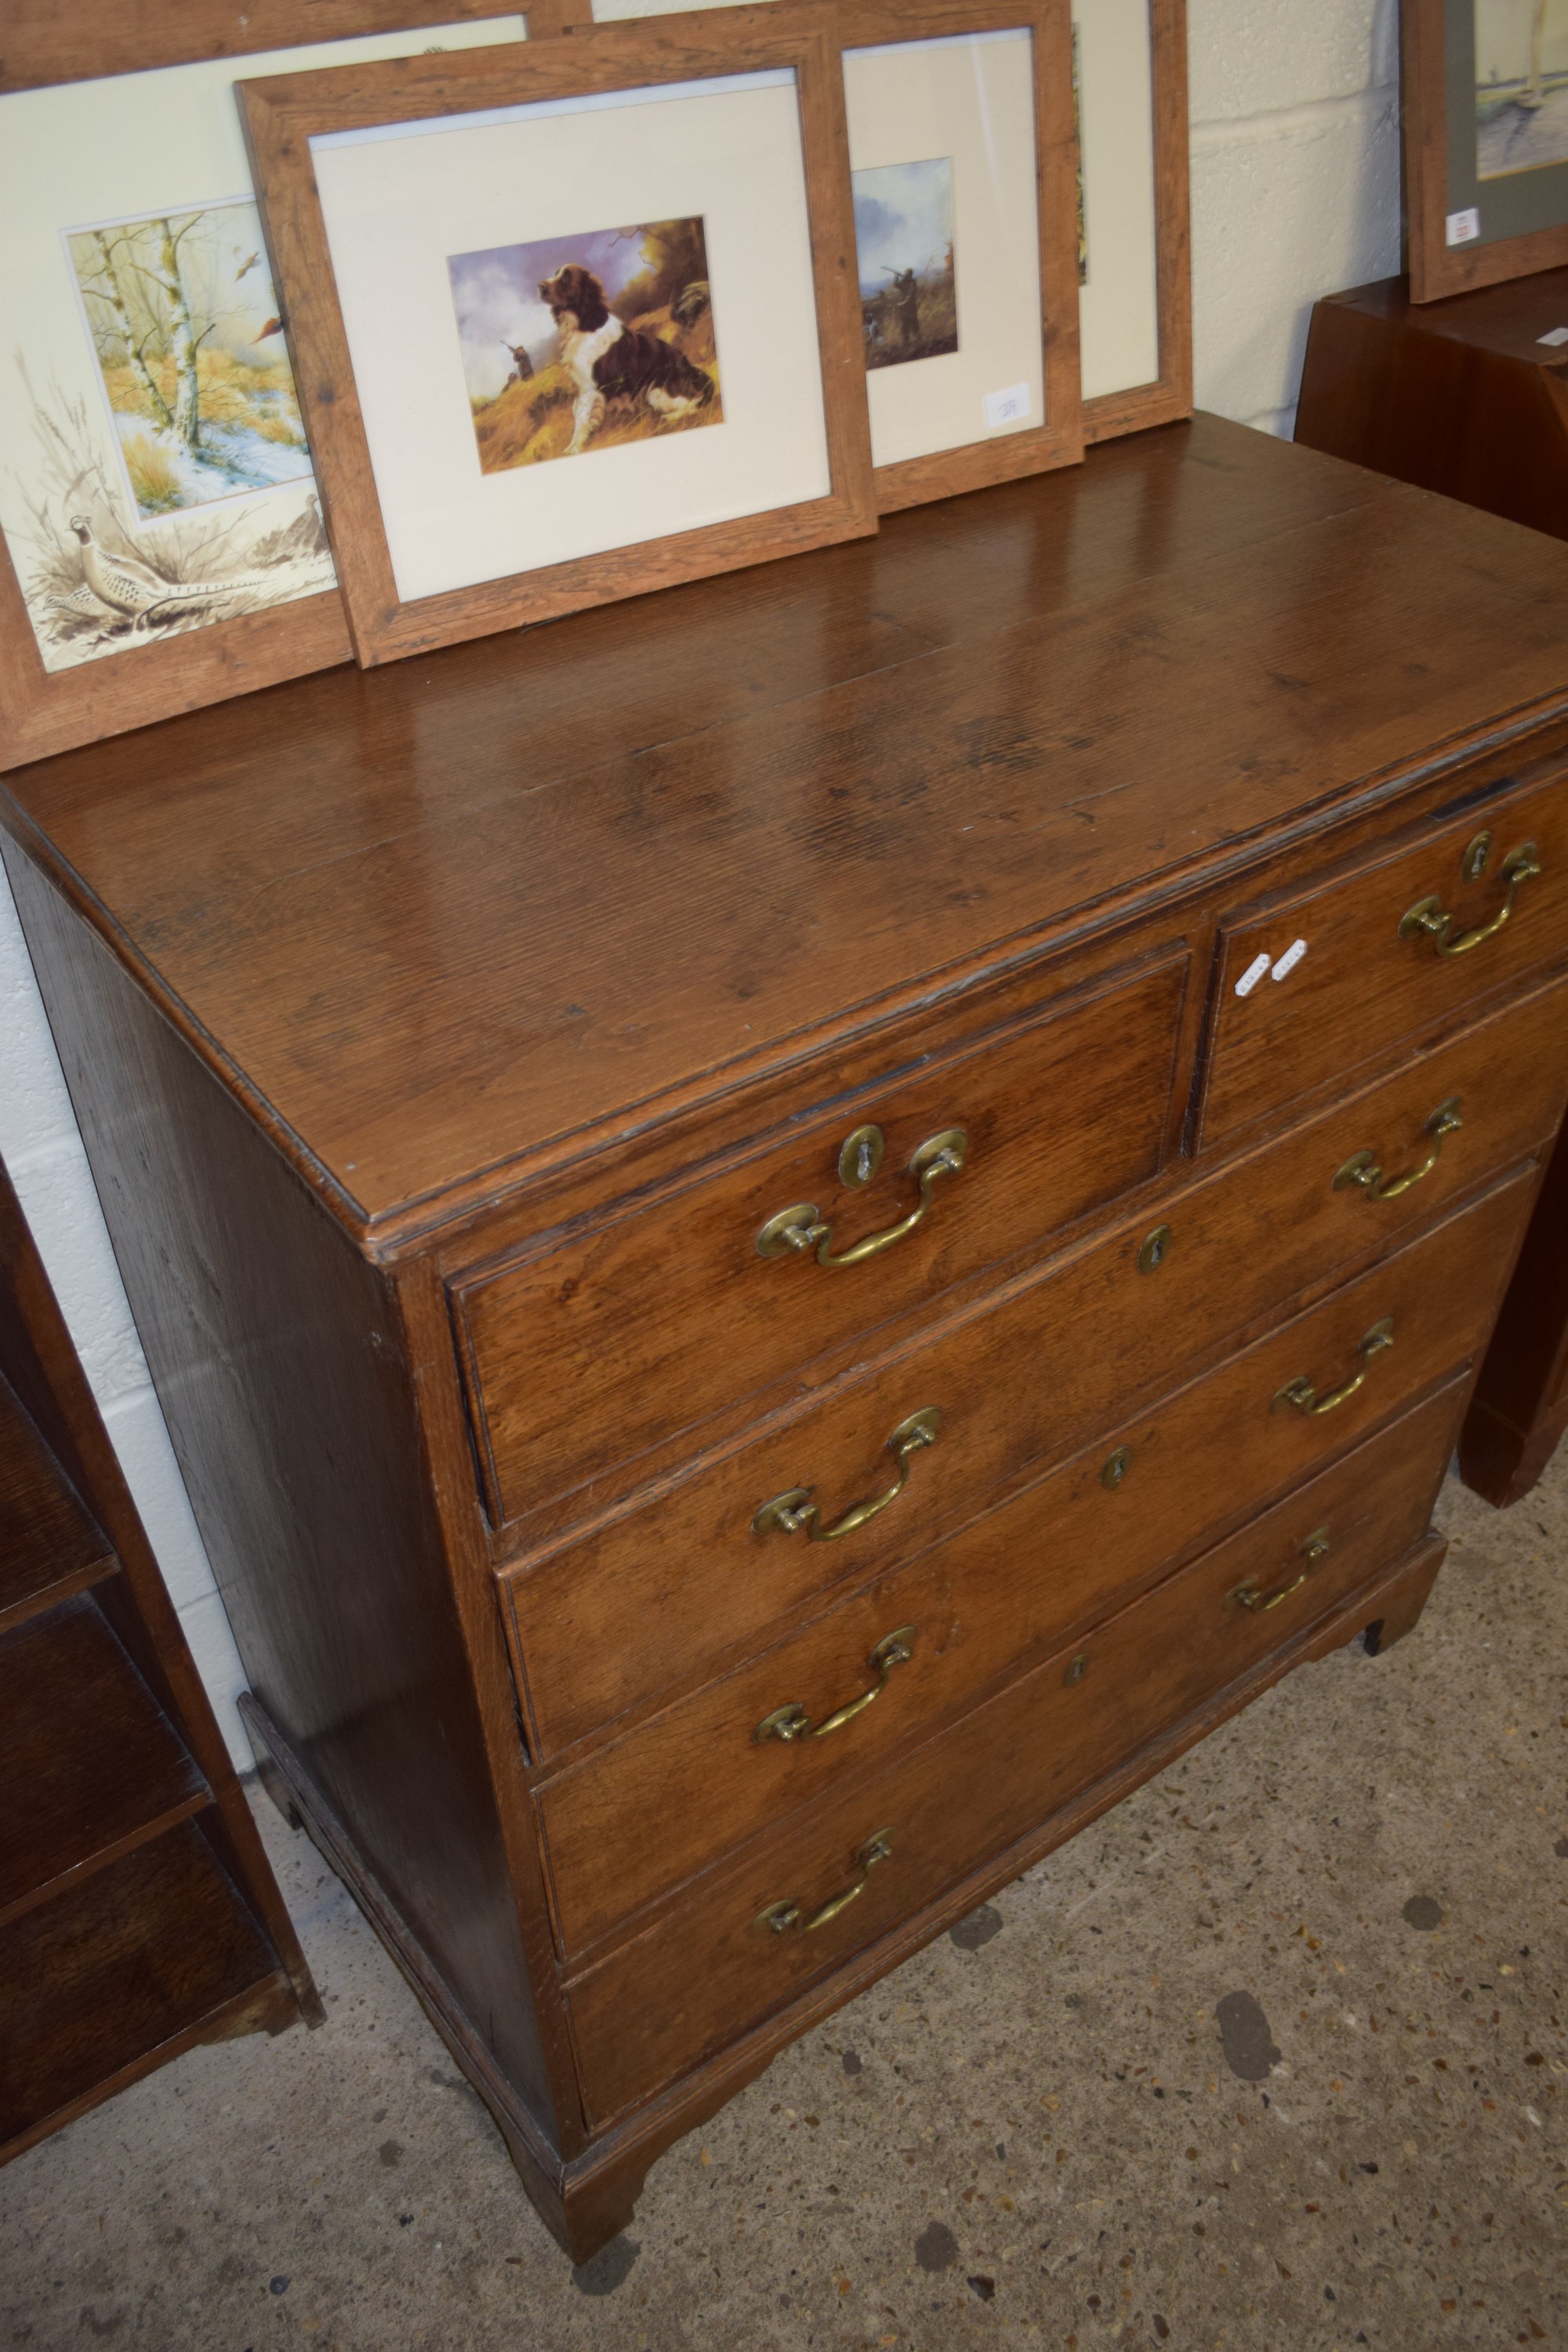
651	1598
619	1827
584	1355
716	1965
1372	956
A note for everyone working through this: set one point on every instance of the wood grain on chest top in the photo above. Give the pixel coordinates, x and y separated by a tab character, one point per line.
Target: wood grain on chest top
439	918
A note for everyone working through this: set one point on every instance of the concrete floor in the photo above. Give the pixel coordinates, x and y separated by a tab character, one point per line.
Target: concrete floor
1273	2056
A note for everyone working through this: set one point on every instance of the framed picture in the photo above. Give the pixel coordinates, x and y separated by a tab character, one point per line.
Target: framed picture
573	321
161	544
963	157
1486	140
1135	299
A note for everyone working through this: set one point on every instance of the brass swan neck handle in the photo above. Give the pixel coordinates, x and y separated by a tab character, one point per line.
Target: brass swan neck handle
1430	918
780	1917
1362	1172
799	1230
1305	1398
793	1510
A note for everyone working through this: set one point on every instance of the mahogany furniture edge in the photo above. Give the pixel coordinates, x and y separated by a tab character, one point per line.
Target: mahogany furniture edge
1518	1413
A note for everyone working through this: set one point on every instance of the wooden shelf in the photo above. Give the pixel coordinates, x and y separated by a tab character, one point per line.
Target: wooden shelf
90	1764
48	1544
147	1957
137	1911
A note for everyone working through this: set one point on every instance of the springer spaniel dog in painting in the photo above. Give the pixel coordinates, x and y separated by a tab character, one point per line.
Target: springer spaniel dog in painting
607	359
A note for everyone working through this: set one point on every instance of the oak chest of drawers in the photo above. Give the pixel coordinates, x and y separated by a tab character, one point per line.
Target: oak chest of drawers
791	1232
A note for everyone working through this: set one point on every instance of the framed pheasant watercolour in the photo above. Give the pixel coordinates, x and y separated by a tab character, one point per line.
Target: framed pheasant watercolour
162	536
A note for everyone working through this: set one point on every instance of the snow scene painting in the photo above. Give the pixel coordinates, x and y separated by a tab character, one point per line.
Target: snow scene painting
903	240
167	483
577	344
184	324
1522	85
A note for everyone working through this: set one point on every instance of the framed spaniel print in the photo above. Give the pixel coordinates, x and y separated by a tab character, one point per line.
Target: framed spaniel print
1485	89
161	541
569	322
963	159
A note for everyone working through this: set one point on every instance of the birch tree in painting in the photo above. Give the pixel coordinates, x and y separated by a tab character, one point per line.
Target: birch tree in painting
190	348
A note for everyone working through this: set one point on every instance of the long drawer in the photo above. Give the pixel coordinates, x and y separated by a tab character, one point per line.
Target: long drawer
619	1827
1317	981
656	1595
712	1967
587	1352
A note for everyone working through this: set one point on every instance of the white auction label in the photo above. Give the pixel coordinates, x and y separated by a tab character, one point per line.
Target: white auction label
1291	959
1463	228
1007	408
1252	975
1557	335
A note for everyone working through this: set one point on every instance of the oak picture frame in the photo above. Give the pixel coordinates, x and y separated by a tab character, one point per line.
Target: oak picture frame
1059	440
1428	109
1167	398
52	43
283	114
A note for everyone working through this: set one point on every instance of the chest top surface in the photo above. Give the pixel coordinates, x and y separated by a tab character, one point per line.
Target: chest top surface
438	917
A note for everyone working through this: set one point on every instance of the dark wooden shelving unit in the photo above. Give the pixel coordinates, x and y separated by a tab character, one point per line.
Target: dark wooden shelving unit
138	1915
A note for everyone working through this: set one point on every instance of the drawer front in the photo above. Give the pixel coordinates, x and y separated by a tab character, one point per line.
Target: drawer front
585	1355
706	1970
605	1624
619	1827
1369	976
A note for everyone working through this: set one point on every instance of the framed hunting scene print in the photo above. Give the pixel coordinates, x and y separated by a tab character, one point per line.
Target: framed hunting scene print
1486	140
1130	70
162	537
571	320
962	174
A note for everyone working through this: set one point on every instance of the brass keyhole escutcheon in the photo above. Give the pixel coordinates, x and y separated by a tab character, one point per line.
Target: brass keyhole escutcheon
1117	1465
1076	1671
1473	863
1155	1249
861	1156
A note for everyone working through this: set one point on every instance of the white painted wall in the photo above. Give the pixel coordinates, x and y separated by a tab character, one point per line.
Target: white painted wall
1295	149
1295	193
43	1152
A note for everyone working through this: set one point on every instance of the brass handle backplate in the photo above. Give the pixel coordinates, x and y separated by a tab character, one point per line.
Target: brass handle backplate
1247	1595
1362	1172
791	1722
795	1509
1301	1394
800	1228
780	1917
1430	918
